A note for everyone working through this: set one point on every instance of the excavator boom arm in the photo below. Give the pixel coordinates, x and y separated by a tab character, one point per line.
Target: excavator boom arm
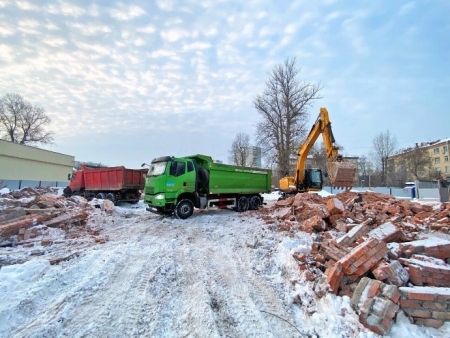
341	174
321	126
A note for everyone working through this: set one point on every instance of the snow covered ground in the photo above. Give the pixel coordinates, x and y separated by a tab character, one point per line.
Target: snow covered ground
216	274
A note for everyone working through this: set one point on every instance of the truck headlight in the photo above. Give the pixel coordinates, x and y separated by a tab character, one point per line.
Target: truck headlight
159	197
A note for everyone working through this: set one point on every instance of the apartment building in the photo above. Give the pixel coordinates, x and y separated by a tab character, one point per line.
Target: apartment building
439	155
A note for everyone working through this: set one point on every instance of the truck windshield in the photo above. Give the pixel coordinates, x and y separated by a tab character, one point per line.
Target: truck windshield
157	169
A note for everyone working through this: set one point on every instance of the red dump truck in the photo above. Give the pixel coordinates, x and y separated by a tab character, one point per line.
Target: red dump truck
112	183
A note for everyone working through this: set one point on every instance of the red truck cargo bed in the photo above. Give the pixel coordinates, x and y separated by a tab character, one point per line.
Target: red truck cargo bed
114	178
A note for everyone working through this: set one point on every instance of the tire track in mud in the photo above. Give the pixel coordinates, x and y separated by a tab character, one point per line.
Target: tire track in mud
242	305
233	295
258	301
198	319
278	315
105	309
164	277
183	304
118	309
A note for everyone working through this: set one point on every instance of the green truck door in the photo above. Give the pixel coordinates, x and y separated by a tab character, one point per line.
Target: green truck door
180	178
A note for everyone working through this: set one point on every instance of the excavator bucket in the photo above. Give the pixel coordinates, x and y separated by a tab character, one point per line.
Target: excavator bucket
342	174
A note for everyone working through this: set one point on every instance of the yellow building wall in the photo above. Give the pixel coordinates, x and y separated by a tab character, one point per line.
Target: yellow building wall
19	162
440	158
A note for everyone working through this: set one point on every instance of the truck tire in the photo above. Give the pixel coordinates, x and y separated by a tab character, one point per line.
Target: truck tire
242	204
110	196
255	202
184	209
100	196
203	177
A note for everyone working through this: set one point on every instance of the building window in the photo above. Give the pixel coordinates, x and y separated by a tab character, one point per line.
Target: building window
436	150
445	158
437	160
438	170
444	149
446	169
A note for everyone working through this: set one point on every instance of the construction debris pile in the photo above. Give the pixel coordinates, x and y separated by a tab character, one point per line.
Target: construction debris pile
387	255
30	218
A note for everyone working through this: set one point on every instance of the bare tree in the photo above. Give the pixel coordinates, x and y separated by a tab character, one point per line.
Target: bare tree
23	123
417	162
384	145
362	170
239	150
283	107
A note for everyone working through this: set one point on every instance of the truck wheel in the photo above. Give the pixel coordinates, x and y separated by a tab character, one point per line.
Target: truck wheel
255	202
242	204
110	196
203	177
184	209
100	196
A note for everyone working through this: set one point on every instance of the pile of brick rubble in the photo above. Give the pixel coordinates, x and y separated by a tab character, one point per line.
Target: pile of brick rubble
29	218
388	255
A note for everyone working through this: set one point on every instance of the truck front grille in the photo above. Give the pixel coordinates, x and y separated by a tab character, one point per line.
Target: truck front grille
149	190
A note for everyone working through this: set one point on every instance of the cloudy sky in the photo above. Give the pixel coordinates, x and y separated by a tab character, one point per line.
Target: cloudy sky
125	82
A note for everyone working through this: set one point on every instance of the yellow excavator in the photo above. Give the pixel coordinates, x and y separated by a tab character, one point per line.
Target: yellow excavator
341	174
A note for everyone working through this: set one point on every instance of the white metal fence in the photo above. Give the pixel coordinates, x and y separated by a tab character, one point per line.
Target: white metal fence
425	194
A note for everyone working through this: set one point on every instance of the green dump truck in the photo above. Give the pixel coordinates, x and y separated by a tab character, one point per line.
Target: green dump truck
178	184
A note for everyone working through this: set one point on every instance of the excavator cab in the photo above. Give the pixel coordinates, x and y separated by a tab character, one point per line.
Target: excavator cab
313	179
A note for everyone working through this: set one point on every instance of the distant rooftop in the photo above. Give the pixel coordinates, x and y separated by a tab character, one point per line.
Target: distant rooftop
422	145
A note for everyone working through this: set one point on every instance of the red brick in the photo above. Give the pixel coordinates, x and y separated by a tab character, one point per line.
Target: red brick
419	293
443	297
390	292
46	242
415	275
380	271
392	310
335	206
434	306
373	288
421	296
334	277
366	305
441	315
430	322
406	303
417	313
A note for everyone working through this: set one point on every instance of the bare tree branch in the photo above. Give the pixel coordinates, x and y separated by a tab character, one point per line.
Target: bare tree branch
239	150
384	146
283	107
23	123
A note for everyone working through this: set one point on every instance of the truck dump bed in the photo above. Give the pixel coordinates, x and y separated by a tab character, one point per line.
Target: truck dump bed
113	178
230	179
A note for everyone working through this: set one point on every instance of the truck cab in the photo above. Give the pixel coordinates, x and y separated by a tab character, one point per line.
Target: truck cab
168	178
